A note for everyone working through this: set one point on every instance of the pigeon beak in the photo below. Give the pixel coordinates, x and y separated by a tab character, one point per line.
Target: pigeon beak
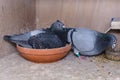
113	46
63	26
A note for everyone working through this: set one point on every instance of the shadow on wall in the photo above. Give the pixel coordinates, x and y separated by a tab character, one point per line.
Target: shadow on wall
16	16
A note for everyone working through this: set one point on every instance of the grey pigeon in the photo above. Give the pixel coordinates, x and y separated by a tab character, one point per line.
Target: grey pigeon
86	41
22	39
45	40
37	39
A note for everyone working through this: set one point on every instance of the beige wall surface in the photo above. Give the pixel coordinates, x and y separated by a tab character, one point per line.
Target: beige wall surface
16	16
94	14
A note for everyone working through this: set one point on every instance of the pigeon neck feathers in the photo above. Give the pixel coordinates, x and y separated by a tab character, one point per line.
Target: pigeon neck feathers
108	38
63	34
113	40
59	29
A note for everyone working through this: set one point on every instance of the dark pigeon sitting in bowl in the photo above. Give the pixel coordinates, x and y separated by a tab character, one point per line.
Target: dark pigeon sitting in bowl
85	41
45	40
36	39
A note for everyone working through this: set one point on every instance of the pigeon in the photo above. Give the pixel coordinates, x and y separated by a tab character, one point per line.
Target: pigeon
46	40
85	41
22	39
58	28
36	39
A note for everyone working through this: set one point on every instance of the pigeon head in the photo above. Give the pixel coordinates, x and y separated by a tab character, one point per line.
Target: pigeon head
113	41
57	26
59	29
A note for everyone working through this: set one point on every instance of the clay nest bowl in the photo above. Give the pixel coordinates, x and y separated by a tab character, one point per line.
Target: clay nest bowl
112	54
44	55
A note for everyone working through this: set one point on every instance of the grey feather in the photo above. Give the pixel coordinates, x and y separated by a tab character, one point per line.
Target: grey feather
37	39
45	40
22	39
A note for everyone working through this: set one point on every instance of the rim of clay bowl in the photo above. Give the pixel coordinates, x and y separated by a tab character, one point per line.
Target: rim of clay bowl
24	50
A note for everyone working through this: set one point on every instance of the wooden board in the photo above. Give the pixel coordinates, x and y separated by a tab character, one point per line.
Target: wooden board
94	14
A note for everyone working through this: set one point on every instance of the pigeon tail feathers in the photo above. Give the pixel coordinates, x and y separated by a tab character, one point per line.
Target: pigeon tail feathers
7	37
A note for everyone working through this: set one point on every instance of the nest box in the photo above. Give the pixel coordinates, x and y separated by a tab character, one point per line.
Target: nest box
115	24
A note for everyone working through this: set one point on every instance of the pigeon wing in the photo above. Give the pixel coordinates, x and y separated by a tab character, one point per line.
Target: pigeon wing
45	40
84	39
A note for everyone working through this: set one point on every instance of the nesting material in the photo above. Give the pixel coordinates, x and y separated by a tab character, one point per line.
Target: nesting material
112	54
44	55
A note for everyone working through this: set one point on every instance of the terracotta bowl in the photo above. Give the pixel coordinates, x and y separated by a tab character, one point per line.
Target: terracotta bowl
44	55
112	55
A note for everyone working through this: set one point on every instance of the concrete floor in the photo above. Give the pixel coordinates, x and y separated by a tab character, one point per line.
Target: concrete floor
14	67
